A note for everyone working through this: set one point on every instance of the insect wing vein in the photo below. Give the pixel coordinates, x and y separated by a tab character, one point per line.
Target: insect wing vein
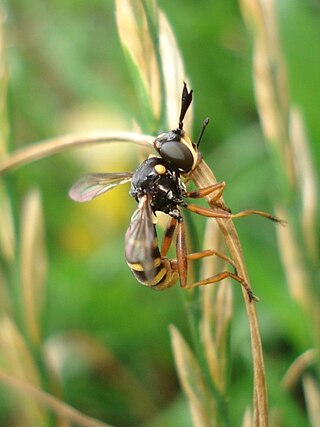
93	185
141	239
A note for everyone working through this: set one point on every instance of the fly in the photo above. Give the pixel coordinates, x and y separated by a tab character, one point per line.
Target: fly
157	187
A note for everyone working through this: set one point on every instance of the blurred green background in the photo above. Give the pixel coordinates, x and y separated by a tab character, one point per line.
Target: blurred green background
68	73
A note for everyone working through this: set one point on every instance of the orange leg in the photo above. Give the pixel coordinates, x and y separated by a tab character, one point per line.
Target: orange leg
202	192
209	252
217	277
219	187
248	212
200	210
202	254
181	251
224	275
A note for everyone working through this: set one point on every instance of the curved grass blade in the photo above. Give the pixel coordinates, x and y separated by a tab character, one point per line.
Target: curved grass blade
33	269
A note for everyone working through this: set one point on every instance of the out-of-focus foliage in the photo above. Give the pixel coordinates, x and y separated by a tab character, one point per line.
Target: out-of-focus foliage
67	73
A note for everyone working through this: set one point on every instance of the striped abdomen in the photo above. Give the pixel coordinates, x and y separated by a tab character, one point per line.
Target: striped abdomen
143	255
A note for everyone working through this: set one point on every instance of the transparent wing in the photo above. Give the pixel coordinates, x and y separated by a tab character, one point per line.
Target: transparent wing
141	239
93	185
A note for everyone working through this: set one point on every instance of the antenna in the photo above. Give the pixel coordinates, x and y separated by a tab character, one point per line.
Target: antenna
186	100
204	125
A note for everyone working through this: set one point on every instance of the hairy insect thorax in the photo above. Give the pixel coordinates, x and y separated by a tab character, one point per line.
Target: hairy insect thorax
161	182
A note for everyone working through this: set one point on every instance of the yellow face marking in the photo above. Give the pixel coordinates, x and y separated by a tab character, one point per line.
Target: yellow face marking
187	142
160	169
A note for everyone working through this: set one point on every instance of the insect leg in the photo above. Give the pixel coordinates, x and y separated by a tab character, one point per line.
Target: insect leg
217	277
248	212
224	275
167	236
181	250
209	252
202	254
200	210
202	192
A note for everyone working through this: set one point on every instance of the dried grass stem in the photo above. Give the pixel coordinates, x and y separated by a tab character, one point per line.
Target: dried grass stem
60	408
203	177
58	145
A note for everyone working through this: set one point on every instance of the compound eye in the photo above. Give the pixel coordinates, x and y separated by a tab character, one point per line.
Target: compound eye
177	154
